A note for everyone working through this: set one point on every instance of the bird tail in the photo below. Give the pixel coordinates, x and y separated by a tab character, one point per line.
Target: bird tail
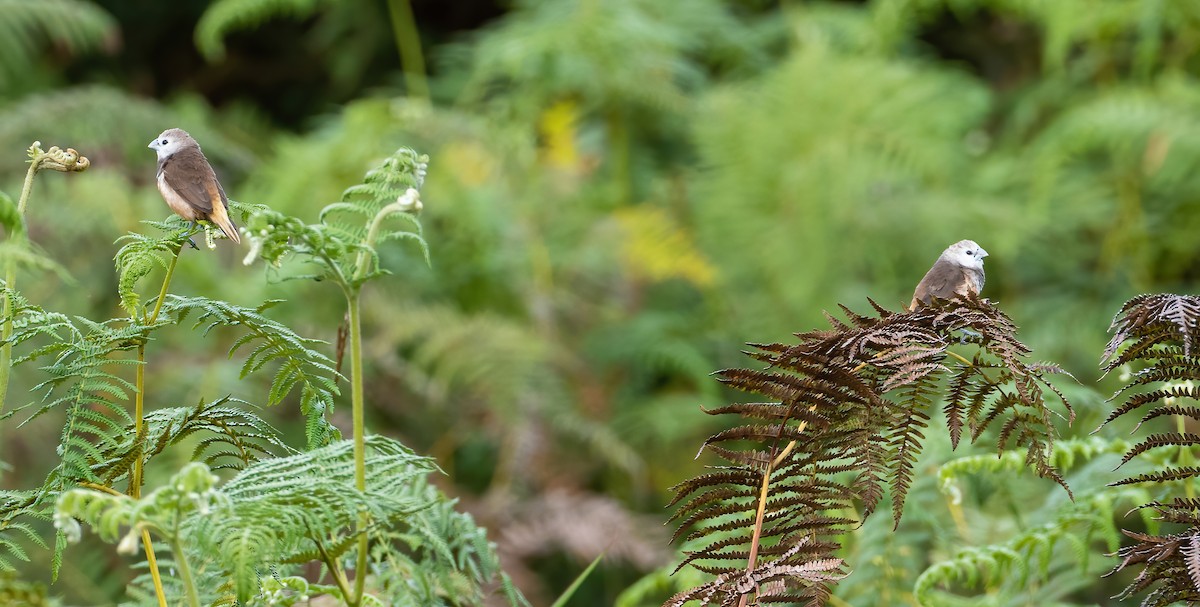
220	217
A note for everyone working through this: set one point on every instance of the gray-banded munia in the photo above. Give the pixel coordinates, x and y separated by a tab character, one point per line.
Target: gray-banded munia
187	182
957	272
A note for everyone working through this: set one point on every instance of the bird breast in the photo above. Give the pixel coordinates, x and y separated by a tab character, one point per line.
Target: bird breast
175	201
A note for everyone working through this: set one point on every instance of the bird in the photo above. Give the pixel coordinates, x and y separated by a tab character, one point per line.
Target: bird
188	184
958	271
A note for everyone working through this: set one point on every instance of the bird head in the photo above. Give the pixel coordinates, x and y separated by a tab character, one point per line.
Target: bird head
170	141
966	253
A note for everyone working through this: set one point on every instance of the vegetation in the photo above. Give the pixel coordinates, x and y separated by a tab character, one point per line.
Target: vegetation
493	252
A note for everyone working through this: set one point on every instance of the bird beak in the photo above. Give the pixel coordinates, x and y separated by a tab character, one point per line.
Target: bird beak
982	253
152	142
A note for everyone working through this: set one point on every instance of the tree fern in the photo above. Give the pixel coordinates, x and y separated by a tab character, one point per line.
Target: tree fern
1159	335
846	413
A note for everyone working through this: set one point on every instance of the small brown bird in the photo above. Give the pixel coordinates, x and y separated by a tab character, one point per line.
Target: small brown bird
958	271
187	182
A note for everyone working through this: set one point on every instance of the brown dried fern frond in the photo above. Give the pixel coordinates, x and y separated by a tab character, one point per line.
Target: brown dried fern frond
846	414
1153	341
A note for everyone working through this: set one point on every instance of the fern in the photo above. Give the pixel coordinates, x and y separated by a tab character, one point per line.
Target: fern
342	245
1032	557
13	532
846	414
274	511
230	438
25	26
300	365
226	16
1158	333
141	254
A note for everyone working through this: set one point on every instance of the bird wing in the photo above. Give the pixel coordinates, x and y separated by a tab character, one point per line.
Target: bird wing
189	174
942	281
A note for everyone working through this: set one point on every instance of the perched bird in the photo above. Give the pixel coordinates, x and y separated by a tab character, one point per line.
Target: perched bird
187	182
958	271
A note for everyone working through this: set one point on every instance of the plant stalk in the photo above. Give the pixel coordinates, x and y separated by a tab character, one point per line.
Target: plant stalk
335	571
10	280
185	572
408	42
360	447
135	475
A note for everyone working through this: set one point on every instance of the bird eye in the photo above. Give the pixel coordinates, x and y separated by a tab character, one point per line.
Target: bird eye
968	252
164	142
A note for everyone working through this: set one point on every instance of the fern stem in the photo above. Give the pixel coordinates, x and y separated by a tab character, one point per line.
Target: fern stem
756	541
362	264
162	293
339	577
964	361
1186	458
408	42
360	447
159	593
139	400
135	476
10	280
185	570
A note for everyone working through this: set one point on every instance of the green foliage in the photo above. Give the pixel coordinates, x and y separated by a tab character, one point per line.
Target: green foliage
806	152
226	16
140	255
440	557
25	27
853	401
346	36
13	533
1152	26
1053	551
293	509
100	117
285	508
17	593
343	244
616	53
230	438
300	364
81	379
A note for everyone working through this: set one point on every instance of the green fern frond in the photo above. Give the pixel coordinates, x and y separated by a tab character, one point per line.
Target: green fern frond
615	52
343	245
229	438
447	560
278	507
25	27
224	17
300	364
140	255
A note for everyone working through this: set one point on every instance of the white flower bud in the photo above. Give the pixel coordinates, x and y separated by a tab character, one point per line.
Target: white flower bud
129	543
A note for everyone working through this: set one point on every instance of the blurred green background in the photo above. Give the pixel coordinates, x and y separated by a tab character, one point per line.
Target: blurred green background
620	194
